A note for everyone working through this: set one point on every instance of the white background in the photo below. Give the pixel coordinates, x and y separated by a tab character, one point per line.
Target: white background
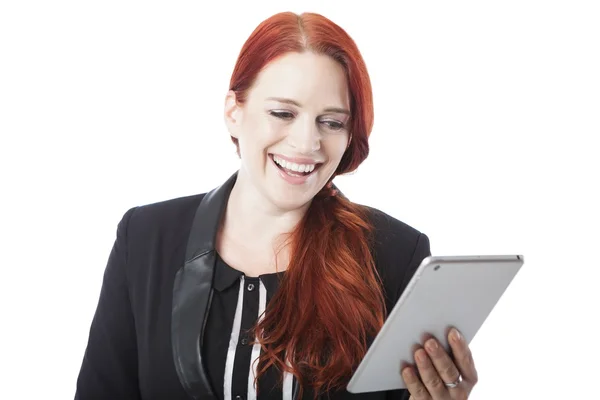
487	118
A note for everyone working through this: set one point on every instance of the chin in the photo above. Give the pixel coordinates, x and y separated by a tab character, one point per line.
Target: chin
289	201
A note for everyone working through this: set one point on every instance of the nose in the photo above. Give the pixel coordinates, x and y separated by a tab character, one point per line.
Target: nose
305	136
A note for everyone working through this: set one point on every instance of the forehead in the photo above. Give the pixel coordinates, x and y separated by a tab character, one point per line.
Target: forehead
310	79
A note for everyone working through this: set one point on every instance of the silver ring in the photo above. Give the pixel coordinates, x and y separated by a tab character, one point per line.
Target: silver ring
454	384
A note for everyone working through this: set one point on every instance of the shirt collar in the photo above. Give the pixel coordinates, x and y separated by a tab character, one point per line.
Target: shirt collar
271	281
226	276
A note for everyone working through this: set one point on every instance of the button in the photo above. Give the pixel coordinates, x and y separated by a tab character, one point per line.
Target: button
244	341
250	287
238	397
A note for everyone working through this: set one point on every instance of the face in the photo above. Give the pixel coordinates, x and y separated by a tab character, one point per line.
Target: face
293	128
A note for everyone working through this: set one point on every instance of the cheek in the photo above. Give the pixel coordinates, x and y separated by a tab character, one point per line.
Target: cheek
258	128
258	134
336	147
250	132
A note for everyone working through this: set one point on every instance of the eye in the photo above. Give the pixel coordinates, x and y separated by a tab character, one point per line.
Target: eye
333	124
285	115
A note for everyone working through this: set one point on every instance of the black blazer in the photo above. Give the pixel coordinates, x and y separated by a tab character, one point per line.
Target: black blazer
145	334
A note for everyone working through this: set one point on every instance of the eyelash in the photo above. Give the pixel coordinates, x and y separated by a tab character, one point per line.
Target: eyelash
286	116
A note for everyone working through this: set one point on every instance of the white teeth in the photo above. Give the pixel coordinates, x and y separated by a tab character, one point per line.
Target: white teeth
293	166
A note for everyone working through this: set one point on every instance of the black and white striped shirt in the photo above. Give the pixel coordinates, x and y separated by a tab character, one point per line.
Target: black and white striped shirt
237	302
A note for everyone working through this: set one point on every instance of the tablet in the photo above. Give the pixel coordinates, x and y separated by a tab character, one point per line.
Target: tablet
445	292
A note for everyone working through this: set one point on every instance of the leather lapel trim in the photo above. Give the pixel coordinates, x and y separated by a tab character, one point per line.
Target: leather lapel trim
192	293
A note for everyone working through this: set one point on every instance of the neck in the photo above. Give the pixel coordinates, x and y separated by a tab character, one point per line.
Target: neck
258	222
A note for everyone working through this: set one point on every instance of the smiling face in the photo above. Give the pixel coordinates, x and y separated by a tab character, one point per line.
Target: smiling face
293	128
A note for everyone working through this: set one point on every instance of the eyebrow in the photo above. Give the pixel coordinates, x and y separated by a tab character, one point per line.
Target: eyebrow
295	103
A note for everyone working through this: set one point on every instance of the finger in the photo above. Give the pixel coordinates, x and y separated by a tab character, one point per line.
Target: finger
463	358
430	376
442	362
414	385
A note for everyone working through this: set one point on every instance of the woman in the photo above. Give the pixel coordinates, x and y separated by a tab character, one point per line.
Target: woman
274	284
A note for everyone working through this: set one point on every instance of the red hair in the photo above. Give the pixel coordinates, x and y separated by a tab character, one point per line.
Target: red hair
330	301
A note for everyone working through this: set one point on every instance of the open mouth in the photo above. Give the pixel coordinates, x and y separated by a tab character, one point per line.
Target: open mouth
293	169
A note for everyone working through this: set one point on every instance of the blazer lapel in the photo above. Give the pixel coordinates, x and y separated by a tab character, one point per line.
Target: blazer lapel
192	293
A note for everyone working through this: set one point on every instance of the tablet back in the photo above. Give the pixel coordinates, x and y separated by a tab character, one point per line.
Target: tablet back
445	292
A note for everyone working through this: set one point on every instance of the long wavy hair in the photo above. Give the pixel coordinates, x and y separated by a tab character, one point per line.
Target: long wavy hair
330	301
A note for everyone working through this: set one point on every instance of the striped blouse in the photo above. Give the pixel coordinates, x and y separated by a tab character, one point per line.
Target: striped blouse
237	302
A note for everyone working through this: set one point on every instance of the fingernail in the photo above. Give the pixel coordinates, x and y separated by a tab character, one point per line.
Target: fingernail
408	373
421	356
455	335
431	345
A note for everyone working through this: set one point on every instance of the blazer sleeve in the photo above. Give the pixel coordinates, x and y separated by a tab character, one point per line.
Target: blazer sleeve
109	367
421	251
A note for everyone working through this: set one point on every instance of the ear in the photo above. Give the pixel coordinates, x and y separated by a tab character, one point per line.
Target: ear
233	114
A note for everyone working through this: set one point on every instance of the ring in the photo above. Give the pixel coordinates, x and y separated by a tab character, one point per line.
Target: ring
454	384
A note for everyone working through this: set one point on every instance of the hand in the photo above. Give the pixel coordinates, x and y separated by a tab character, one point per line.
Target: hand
436	368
